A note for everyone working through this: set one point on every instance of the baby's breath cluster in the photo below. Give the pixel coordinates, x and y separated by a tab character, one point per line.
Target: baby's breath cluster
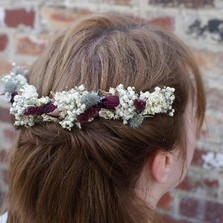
27	96
70	105
78	106
159	101
133	108
126	109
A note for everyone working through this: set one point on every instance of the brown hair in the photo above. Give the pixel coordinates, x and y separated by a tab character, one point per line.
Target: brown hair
90	174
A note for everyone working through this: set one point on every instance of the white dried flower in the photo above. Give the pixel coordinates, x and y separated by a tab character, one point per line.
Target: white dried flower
126	109
106	114
77	106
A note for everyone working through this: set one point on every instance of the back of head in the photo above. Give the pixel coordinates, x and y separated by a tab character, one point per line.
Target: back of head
89	174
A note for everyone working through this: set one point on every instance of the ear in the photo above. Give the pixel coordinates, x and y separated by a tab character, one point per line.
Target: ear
160	166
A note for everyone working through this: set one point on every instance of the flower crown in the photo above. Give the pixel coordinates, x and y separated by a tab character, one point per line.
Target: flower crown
78	106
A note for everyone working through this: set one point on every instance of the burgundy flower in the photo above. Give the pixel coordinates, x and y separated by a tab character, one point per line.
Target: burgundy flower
50	107
12	96
39	110
110	102
91	112
34	110
139	104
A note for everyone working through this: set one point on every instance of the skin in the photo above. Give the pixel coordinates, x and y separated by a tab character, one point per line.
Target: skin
165	171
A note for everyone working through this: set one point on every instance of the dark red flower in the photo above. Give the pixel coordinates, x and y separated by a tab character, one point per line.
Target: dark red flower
39	110
50	107
139	104
110	102
34	110
91	112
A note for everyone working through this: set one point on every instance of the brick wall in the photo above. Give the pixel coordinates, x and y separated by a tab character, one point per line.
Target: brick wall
26	26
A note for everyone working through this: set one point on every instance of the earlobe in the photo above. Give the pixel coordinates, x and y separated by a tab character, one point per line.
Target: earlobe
160	166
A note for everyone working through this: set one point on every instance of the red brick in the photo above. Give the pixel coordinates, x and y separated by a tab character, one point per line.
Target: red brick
4	115
214	212
165	21
189	207
211	183
5	66
186	184
21	16
31	45
3	42
62	17
166	202
59	17
209	186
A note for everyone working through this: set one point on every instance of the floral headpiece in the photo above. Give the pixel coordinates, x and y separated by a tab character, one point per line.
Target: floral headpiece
78	106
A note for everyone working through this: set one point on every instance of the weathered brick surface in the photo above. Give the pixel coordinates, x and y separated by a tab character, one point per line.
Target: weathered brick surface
165	21
213	212
32	44
19	16
189	207
26	28
59	17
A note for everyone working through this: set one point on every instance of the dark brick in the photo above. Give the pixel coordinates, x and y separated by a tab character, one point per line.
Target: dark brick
16	17
214	212
189	207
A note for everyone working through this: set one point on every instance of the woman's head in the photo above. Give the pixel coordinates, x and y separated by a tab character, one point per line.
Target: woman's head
91	173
